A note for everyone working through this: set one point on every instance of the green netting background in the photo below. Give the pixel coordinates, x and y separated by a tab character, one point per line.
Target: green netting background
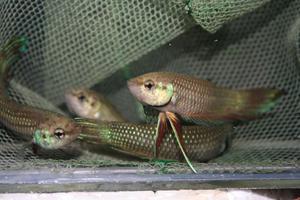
102	43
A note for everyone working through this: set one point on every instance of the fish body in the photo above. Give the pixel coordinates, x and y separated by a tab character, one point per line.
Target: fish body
202	142
200	100
89	104
47	129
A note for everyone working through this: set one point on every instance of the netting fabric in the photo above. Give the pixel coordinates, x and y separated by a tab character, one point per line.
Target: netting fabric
103	43
213	14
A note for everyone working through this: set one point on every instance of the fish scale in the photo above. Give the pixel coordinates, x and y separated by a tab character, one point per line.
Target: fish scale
188	91
202	143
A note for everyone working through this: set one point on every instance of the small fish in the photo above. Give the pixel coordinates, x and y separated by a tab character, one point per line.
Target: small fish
203	143
198	101
91	105
44	128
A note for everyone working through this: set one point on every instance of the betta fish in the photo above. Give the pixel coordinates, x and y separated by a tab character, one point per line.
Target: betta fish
198	101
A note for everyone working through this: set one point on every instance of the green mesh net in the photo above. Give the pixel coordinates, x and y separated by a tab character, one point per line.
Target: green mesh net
103	43
212	14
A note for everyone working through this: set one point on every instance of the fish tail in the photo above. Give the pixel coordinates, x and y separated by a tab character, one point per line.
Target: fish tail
10	53
252	103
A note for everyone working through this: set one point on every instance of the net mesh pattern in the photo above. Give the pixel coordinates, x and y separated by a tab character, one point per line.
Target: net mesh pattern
103	43
213	14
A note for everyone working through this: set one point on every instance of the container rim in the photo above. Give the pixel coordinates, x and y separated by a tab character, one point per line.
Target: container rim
135	179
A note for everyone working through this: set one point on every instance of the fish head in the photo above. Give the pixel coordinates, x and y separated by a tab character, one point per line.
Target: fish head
154	89
56	132
82	102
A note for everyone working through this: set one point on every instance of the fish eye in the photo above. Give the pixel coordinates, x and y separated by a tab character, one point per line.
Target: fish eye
59	133
149	84
81	98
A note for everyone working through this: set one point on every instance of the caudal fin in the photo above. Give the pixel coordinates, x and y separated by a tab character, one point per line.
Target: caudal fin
255	102
10	53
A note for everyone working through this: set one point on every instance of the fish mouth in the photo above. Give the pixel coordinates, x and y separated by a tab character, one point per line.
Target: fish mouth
70	101
134	89
130	83
132	86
